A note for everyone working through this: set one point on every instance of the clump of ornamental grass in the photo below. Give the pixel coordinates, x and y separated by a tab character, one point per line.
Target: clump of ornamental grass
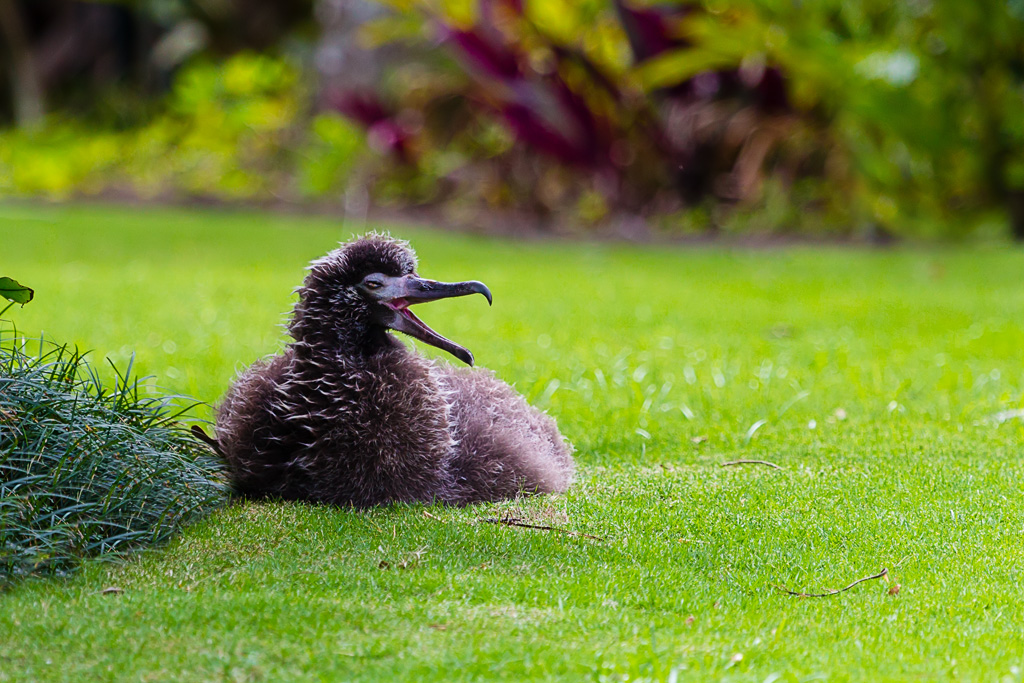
89	467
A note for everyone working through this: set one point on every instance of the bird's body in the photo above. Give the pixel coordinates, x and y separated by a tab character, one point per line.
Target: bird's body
348	415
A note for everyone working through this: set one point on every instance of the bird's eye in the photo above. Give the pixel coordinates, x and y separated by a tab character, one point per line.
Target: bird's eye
373	284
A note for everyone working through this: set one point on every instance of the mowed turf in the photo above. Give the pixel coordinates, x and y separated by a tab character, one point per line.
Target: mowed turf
887	385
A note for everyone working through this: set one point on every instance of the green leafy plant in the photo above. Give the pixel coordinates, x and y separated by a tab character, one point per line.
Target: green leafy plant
921	100
840	116
15	292
237	129
583	109
88	469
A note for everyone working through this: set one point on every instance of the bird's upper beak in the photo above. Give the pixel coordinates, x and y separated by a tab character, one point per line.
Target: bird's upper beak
399	293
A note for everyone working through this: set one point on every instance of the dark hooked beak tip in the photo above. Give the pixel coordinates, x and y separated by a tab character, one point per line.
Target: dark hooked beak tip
481	288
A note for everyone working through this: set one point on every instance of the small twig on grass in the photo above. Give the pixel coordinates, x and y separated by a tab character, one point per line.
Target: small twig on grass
750	462
884	574
515	521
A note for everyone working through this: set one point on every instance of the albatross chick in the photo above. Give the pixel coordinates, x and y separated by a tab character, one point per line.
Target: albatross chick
348	415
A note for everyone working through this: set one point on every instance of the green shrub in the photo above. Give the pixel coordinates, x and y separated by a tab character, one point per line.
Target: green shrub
235	130
86	469
839	116
588	110
230	129
922	101
898	117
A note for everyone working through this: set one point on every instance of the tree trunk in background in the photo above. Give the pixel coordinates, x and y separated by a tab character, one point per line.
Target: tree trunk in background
27	92
1015	209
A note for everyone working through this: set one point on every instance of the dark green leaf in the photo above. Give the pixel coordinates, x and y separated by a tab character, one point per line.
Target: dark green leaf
12	290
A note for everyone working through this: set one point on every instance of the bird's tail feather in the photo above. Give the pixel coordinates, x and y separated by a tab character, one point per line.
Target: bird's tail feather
198	432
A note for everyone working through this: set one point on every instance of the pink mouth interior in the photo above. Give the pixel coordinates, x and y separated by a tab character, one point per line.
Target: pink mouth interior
402	306
417	328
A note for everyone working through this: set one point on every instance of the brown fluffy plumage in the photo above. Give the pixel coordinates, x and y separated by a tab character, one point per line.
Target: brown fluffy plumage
348	415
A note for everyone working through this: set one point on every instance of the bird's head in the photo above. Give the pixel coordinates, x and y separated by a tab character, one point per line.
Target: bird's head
356	293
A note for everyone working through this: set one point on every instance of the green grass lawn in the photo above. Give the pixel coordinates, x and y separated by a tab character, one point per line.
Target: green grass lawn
882	382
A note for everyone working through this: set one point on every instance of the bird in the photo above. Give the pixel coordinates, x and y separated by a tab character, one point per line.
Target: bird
348	415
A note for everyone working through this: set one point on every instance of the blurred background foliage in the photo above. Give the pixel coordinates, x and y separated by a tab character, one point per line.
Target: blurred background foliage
854	118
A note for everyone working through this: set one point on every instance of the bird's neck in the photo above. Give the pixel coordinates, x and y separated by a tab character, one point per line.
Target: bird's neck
321	325
347	344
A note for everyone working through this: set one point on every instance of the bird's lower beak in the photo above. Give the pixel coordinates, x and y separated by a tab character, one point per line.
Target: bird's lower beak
401	293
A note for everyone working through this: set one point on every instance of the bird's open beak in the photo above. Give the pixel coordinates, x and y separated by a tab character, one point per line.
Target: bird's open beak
399	293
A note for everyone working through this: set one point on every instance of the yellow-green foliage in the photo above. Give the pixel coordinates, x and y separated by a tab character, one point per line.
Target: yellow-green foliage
237	130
